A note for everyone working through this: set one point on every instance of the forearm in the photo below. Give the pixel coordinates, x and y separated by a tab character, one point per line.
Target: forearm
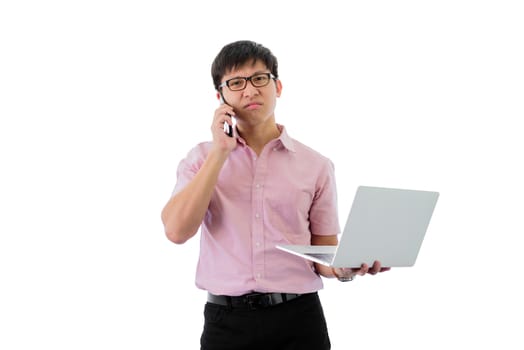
183	214
324	270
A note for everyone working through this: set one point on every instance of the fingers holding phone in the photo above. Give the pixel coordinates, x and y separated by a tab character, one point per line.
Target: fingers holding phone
228	126
222	128
228	129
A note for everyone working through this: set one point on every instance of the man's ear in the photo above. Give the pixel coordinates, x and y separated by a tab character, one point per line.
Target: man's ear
278	84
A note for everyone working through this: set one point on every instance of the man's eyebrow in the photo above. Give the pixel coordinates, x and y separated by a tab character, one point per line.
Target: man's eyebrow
257	72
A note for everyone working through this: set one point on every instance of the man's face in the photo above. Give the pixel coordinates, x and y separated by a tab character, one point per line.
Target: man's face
252	105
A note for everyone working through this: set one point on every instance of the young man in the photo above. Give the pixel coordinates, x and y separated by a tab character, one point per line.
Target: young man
248	192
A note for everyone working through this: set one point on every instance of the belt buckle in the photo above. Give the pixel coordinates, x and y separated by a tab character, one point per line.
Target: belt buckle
255	300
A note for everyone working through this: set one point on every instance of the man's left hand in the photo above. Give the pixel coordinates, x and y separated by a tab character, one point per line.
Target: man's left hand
348	274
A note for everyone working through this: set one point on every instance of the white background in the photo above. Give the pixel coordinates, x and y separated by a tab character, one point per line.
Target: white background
99	101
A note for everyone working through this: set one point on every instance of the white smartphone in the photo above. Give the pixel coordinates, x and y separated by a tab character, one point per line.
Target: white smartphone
228	129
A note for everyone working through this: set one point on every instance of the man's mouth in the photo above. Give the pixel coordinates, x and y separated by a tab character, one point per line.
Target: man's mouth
252	106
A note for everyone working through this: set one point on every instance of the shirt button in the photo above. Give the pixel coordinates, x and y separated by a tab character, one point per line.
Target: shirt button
257	185
258	275
257	215
257	244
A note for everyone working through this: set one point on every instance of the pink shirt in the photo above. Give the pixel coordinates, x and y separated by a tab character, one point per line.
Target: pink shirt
280	197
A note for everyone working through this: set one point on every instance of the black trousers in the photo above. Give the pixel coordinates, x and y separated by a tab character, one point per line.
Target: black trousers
296	324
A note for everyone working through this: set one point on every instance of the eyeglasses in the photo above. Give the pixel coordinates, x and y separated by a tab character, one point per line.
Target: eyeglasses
240	83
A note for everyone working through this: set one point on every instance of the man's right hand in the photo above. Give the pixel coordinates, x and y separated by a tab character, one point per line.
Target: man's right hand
221	141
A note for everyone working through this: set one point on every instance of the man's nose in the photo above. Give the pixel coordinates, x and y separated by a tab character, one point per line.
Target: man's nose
250	90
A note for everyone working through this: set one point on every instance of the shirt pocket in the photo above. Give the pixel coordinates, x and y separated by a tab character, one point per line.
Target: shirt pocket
286	210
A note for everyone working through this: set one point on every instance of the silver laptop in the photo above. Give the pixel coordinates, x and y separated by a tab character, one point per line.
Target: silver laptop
384	224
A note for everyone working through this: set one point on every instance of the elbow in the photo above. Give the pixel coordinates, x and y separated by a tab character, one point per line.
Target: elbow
176	237
177	234
177	230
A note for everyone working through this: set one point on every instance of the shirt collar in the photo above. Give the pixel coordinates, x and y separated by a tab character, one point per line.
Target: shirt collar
283	139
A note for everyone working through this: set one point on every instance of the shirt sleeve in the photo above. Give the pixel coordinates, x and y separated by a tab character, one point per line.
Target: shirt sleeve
189	166
323	214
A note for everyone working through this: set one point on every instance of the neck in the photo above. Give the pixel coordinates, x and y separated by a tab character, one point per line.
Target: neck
257	136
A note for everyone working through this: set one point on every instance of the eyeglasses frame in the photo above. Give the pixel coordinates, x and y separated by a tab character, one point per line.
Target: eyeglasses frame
246	79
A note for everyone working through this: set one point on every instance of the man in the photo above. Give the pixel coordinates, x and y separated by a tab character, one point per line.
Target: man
248	192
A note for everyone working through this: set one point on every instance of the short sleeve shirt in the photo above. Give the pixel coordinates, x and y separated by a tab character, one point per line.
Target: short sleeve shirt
282	196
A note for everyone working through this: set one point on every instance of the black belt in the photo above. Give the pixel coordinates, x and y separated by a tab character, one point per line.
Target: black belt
253	300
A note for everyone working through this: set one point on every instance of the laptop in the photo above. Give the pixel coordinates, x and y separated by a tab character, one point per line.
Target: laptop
384	224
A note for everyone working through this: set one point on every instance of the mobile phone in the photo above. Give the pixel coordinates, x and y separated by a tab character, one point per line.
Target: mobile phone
228	129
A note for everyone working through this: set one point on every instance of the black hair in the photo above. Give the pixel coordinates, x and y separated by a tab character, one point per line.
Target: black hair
239	53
